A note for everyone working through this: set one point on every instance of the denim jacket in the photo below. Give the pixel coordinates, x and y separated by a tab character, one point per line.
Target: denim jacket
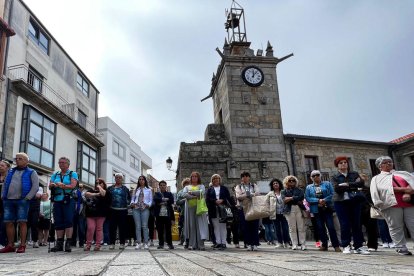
327	193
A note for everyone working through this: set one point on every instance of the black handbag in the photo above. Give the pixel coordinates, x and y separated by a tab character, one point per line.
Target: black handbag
224	214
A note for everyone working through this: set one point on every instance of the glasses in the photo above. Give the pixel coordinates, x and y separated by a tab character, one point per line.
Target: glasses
386	162
315	175
292	180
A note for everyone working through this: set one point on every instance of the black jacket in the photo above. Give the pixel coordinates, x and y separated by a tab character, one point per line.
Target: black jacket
351	178
158	202
211	200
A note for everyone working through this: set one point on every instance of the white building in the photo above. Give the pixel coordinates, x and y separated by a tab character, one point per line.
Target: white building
51	105
120	154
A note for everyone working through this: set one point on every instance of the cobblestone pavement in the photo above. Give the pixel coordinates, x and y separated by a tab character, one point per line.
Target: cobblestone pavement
232	261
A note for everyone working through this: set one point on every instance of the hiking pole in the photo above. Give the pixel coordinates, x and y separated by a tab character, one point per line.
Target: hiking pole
50	225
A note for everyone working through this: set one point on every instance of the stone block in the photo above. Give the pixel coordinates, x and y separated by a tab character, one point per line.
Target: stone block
246	132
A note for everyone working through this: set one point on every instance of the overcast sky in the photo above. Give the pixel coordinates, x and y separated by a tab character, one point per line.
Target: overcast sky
352	74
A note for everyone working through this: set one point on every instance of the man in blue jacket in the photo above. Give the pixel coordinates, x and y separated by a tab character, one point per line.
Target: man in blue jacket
20	187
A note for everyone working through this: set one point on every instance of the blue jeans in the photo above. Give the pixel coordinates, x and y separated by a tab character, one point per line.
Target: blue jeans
384	231
349	215
282	229
141	222
16	210
269	232
79	229
323	218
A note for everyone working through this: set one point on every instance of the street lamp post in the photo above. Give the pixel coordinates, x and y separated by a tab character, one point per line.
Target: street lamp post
169	162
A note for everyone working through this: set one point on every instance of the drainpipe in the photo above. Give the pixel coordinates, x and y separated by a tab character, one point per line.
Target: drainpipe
292	155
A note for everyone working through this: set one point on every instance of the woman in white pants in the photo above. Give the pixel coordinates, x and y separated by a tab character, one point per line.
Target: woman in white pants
392	193
293	197
217	197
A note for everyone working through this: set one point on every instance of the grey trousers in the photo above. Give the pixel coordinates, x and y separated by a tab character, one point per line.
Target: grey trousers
396	218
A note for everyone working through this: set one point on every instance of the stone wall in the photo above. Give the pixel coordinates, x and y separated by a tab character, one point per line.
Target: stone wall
403	155
326	150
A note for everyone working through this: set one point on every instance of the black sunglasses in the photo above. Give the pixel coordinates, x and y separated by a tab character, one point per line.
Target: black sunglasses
315	175
291	180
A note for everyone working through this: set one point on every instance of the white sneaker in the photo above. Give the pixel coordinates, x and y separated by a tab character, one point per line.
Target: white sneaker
121	246
151	243
279	245
138	246
146	246
294	247
361	251
303	247
105	244
254	248
112	247
35	245
347	250
385	245
372	249
392	245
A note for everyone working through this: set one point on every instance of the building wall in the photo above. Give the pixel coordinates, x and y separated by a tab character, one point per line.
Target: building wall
59	99
326	151
403	155
110	162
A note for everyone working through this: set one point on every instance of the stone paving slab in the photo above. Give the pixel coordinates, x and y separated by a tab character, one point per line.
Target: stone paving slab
230	262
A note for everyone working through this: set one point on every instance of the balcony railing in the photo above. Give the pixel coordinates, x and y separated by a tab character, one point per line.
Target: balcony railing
22	73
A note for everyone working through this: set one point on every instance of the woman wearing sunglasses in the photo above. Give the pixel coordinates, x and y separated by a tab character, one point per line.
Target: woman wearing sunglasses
293	197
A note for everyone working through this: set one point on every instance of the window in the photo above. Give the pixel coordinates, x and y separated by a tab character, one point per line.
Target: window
311	163
82	118
134	162
34	79
38	137
39	37
374	168
412	162
82	85
86	165
118	150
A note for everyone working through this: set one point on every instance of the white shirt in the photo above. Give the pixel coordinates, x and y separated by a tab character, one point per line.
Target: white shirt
217	190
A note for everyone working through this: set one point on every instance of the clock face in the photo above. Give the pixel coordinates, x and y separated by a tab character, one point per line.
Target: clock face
252	76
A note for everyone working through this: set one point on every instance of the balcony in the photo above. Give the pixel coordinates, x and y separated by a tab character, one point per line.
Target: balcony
34	89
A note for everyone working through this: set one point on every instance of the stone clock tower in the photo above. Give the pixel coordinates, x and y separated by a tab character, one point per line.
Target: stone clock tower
247	115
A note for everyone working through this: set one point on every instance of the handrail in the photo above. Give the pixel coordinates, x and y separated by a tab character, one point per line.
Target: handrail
39	86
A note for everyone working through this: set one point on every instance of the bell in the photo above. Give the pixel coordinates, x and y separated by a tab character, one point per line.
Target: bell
232	21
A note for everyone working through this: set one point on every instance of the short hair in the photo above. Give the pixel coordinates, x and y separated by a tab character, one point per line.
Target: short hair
245	174
287	178
278	181
214	176
6	162
185	181
119	174
381	159
162	182
315	172
198	177
339	159
66	159
24	155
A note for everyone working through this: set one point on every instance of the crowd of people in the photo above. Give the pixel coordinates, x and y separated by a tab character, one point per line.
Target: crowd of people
85	217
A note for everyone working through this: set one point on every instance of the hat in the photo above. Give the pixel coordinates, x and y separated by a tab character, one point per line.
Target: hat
315	172
339	159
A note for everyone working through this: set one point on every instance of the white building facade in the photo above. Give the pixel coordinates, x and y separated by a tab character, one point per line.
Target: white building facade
50	104
120	154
